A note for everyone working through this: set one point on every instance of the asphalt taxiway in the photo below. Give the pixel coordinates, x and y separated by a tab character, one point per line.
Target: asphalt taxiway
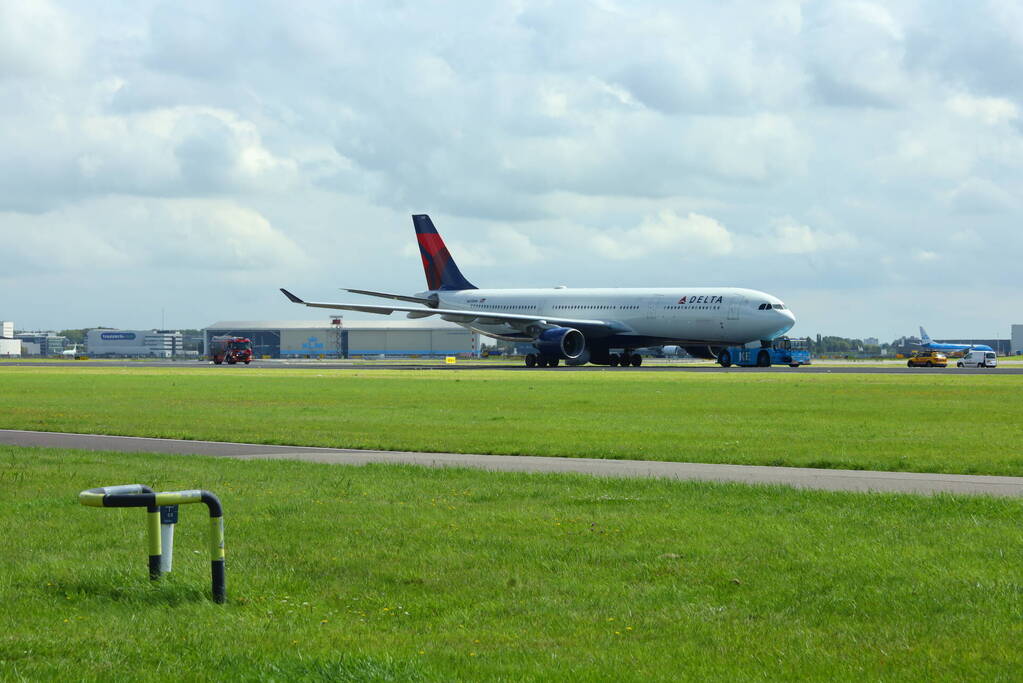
798	477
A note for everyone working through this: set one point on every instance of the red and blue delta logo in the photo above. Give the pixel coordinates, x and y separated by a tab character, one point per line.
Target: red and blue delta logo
702	299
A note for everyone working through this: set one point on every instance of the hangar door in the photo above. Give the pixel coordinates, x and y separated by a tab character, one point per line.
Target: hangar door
452	341
313	343
416	342
362	342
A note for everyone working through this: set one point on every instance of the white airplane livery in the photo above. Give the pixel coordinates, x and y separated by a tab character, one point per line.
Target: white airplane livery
602	326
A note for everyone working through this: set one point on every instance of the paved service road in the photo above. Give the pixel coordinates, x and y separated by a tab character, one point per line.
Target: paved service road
891	369
799	477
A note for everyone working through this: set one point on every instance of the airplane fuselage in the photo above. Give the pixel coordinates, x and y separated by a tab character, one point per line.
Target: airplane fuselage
936	346
697	315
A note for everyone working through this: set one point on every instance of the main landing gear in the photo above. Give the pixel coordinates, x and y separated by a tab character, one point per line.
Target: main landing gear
535	360
626	359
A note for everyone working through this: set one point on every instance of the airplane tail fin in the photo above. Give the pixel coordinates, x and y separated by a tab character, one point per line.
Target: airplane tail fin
441	271
924	337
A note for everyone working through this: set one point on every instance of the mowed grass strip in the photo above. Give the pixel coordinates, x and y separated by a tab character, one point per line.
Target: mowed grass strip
967	424
404	573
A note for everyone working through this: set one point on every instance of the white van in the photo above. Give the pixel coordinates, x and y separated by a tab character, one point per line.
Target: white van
975	358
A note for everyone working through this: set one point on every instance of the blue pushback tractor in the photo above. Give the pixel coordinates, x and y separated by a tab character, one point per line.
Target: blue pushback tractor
780	351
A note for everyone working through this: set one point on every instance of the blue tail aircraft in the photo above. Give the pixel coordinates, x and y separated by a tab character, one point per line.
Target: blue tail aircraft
927	343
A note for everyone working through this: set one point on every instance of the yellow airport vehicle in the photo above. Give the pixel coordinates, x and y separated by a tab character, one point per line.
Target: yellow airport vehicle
928	360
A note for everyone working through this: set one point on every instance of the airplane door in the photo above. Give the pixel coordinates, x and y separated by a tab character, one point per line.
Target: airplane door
653	304
734	305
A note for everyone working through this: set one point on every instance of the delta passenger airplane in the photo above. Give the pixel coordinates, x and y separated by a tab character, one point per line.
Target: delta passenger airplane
601	326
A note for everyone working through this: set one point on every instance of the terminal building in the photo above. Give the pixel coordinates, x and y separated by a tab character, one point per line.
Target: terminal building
41	343
1017	339
101	343
347	338
9	346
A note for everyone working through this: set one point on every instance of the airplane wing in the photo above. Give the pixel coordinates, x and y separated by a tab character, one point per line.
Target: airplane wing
517	320
386	295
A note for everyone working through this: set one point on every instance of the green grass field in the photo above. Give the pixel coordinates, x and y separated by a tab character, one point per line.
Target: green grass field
401	573
939	423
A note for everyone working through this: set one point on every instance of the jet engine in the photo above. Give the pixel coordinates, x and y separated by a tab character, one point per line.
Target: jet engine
705	352
583	359
562	342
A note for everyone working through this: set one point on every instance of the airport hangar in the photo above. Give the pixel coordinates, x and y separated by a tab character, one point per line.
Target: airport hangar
350	338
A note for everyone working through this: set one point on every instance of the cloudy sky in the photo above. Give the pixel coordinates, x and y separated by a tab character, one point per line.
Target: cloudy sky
862	161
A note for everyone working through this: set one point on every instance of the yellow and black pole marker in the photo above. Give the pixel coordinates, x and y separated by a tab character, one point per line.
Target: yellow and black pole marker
137	495
131	495
216	531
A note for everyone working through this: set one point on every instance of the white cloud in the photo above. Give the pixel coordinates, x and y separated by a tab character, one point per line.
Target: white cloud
979	195
856	55
968	238
472	255
55	156
605	142
787	236
666	233
990	110
502	245
37	39
213	234
132	234
515	245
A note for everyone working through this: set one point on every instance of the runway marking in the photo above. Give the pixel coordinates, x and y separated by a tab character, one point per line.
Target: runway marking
797	477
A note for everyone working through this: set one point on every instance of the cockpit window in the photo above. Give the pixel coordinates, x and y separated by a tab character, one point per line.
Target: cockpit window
779	306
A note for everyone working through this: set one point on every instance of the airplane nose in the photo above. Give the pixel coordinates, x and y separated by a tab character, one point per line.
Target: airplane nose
785	320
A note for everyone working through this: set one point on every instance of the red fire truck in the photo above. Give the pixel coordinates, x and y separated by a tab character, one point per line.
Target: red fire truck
231	349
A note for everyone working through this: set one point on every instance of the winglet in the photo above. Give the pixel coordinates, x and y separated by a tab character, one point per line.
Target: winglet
291	297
